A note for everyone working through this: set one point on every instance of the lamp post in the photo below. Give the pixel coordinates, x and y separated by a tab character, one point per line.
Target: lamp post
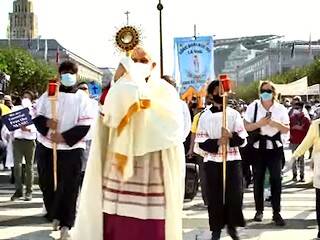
160	8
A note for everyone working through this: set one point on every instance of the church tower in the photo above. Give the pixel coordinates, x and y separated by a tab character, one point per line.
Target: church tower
23	21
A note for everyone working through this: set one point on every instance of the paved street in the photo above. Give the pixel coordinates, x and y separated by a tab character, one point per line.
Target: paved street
22	220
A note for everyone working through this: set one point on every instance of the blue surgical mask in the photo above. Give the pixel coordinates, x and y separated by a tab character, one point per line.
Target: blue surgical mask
266	96
68	79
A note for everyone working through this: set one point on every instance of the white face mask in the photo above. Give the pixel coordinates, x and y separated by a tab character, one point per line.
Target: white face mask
26	102
140	71
68	79
295	112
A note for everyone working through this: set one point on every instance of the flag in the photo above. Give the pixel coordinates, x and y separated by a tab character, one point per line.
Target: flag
310	47
38	44
293	50
9	35
29	43
46	49
58	55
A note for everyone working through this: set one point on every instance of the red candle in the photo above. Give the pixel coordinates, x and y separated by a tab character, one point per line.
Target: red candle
226	82
52	88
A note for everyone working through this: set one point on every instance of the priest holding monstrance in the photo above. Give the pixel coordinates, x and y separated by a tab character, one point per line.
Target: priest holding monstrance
133	188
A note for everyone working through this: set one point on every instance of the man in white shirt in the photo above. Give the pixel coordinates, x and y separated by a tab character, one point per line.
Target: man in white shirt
24	147
210	137
272	120
68	131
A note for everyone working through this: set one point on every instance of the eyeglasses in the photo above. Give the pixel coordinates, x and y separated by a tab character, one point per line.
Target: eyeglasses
266	90
143	60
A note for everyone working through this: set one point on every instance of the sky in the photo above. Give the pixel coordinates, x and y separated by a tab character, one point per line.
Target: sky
88	28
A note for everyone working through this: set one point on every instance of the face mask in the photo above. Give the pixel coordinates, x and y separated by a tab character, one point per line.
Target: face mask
266	96
25	102
140	71
68	79
296	112
194	105
217	99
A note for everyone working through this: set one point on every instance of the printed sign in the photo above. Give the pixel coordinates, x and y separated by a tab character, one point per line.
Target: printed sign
17	119
94	89
195	65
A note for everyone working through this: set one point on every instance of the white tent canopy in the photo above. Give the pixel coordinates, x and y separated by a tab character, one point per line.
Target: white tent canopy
299	87
314	89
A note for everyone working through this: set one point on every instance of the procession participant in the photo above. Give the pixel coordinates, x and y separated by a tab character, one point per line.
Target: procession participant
72	124
8	101
295	100
137	147
191	154
299	125
272	120
312	139
23	148
83	86
209	140
185	109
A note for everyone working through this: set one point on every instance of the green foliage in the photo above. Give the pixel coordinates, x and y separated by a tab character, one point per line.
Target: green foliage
26	72
249	92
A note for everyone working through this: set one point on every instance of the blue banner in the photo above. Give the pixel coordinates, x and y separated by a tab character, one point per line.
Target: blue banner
17	119
194	64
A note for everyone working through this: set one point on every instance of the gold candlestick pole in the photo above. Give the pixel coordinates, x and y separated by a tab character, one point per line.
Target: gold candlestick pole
53	97
224	89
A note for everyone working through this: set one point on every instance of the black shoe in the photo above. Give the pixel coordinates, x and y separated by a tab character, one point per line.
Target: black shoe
215	235
258	217
278	220
294	178
28	197
233	233
16	195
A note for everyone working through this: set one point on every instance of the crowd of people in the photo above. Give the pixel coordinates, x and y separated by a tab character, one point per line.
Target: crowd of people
126	153
33	144
271	125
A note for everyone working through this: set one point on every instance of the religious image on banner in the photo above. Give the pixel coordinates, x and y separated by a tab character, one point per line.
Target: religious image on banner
194	65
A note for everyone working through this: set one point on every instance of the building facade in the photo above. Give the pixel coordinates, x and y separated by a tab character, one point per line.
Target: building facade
276	60
23	21
51	51
224	47
238	56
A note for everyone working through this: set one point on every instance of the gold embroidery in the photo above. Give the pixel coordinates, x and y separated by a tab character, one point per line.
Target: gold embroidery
145	103
122	162
136	107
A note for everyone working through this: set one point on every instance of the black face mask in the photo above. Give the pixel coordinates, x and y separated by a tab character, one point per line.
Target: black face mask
217	99
194	105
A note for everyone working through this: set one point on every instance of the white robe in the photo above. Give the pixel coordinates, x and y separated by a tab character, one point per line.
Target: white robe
158	128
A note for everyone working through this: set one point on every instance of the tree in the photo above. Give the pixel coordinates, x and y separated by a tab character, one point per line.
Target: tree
247	92
25	71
